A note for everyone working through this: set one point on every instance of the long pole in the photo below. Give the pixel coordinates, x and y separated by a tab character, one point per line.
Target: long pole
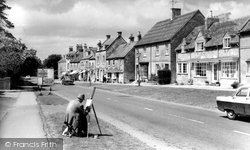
92	95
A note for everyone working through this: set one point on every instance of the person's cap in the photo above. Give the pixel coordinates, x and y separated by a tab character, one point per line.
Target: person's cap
81	96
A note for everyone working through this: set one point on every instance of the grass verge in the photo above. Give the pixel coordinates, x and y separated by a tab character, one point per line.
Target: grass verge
53	109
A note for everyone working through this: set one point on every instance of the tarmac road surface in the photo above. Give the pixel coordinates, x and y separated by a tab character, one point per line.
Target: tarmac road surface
167	124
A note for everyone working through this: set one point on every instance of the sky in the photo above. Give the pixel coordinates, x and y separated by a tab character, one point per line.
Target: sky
51	26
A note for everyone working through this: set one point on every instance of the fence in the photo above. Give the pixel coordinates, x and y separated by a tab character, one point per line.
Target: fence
5	83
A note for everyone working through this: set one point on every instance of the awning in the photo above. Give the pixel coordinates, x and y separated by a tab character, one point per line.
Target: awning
220	59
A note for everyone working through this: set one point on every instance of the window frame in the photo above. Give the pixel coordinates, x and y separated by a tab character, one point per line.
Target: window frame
227	69
181	69
226	42
166	49
198	49
203	69
157	51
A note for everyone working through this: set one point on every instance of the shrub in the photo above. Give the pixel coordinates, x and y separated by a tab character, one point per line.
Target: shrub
235	84
153	77
164	76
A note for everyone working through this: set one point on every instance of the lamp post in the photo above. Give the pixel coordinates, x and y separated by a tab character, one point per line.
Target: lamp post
139	74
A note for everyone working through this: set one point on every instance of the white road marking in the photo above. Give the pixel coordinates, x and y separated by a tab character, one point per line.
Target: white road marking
187	119
108	98
148	109
242	133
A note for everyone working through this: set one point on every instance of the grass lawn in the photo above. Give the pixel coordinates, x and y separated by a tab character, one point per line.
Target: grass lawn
187	96
53	109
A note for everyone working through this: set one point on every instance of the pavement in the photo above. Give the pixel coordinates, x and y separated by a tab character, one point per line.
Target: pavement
23	120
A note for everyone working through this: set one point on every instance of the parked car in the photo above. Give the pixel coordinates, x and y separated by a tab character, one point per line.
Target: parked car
27	77
236	105
67	80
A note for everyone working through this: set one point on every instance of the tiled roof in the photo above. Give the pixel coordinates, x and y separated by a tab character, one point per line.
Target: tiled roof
246	27
166	29
77	58
63	60
216	32
122	50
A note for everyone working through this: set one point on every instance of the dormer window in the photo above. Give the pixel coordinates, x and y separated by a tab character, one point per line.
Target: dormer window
226	42
200	46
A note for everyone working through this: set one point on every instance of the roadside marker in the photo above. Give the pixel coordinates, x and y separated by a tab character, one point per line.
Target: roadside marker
242	133
148	109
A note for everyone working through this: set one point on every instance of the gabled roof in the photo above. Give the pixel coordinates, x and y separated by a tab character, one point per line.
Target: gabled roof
77	58
216	33
122	50
62	60
166	29
246	27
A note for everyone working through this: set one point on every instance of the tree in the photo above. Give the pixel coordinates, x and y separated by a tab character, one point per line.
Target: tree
52	62
4	22
30	66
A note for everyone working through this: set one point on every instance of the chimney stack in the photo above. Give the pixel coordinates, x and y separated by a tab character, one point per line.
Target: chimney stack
139	36
99	44
131	38
79	48
119	34
175	12
70	48
108	37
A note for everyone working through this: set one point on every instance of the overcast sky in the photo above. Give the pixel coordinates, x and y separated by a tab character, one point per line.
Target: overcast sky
51	26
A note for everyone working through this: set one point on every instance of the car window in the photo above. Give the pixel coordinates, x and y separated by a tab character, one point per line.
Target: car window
243	92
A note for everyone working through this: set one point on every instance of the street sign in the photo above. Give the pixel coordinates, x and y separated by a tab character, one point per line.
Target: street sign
41	73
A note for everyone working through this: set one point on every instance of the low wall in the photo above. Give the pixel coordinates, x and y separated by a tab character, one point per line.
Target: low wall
5	83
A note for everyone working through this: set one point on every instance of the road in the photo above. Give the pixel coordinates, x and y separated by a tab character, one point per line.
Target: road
162	124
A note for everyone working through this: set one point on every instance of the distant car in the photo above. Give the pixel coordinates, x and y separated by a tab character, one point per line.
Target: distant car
67	80
236	105
27	77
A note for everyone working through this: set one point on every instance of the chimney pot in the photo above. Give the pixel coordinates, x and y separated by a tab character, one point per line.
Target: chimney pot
108	37
131	38
119	33
139	36
175	12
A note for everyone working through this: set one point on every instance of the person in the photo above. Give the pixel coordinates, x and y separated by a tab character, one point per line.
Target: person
75	118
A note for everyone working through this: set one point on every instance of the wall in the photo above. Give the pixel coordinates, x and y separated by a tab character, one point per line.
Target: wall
5	83
129	67
244	55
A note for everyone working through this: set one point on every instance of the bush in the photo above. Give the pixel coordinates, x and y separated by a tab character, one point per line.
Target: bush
235	85
164	76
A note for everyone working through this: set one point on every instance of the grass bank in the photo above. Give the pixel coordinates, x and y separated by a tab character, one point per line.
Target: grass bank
53	110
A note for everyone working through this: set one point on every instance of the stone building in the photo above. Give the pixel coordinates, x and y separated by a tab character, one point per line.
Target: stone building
121	63
104	50
156	49
210	53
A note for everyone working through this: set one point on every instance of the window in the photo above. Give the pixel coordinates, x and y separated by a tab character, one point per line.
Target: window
200	46
103	59
200	69
167	49
167	66
97	60
226	42
248	67
242	92
229	69
157	51
182	68
144	52
113	62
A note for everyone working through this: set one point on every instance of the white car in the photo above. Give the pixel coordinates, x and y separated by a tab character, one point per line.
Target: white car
236	105
27	77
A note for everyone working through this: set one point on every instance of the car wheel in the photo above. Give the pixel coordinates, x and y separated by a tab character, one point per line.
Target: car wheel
231	115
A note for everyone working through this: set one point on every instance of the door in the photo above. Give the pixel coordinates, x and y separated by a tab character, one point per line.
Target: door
214	72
